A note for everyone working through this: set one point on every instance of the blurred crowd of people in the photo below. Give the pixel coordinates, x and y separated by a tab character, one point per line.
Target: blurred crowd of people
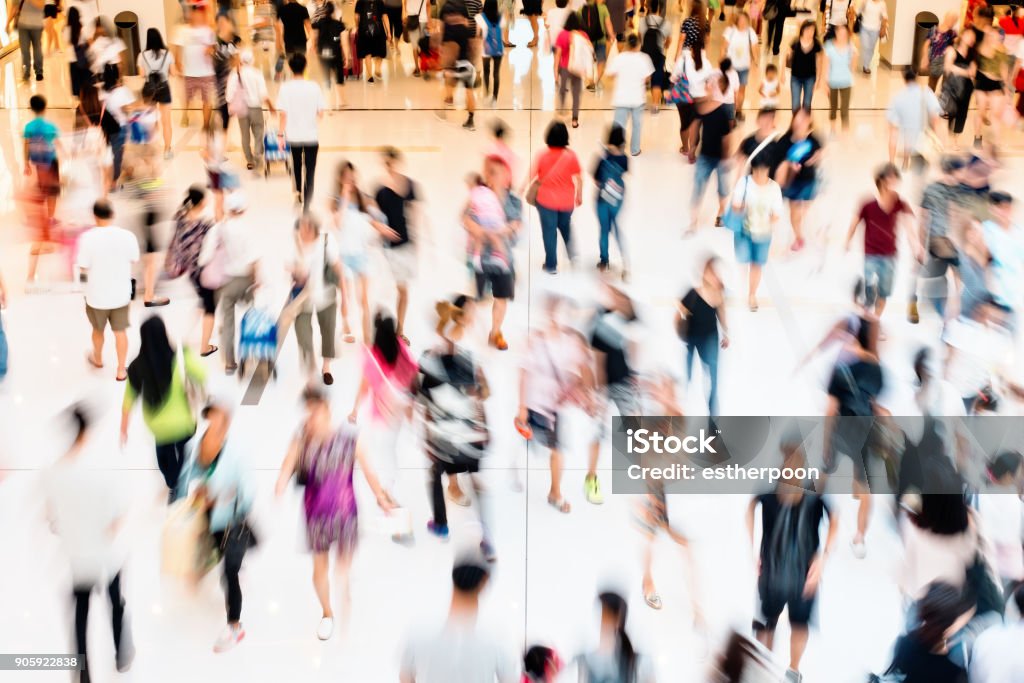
942	212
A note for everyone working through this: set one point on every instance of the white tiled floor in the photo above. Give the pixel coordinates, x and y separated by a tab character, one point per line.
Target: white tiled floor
550	565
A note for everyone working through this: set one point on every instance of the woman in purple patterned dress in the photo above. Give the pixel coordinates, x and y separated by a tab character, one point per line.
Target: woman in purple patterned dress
323	455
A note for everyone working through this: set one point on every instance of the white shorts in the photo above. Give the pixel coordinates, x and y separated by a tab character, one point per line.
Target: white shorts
402	262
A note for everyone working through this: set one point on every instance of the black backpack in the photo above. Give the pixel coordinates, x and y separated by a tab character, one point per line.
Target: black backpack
155	77
652	42
592	22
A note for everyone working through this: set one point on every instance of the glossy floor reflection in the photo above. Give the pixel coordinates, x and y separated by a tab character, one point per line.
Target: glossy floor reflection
550	565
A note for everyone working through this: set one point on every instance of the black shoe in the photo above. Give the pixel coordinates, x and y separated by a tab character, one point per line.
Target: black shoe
39	77
602	266
469	125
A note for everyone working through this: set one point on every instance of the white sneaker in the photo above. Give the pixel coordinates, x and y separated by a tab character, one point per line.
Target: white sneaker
326	628
860	551
229	637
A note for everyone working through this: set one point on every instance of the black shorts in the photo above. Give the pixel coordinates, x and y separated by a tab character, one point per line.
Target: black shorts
394	15
983	83
533	8
50	12
545	429
773	601
502	285
162	93
854	437
151	215
207	297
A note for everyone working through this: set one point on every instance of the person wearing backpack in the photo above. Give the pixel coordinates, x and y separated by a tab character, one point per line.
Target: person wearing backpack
597	24
372	36
791	557
654	38
494	46
632	71
155	64
613	659
330	32
574	60
609	176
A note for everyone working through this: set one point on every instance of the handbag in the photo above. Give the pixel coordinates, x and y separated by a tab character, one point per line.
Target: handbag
195	394
330	274
239	104
531	192
412	23
856	23
771	11
736	220
680	92
186	550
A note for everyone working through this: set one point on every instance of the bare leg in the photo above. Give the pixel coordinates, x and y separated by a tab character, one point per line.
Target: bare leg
207	332
121	346
363	285
797	645
754	283
151	263
766	638
498	310
342	569
401	306
322	582
165	125
863	496
97	347
555	492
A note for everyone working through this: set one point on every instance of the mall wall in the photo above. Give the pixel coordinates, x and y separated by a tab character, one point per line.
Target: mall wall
903	18
151	13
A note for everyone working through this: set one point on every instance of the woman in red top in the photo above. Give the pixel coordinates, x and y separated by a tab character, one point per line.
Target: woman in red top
559	190
563	76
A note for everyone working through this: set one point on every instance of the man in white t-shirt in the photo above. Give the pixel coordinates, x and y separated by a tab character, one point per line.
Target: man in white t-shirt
106	254
997	656
300	104
194	46
461	650
632	71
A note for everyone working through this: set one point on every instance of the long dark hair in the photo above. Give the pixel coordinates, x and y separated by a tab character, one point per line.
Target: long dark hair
193	197
348	166
614	605
491	12
943	507
385	337
154	41
939	609
89	102
75	26
152	371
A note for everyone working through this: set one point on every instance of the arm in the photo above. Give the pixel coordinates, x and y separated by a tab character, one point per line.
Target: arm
383	500
820	72
720	312
3	293
894	136
288	467
852	231
364	388
814	572
308	26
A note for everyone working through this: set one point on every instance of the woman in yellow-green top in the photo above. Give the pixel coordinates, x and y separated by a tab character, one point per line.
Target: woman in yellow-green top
157	377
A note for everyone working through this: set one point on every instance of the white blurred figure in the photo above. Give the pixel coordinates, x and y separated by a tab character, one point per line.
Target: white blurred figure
86	510
613	659
997	656
461	650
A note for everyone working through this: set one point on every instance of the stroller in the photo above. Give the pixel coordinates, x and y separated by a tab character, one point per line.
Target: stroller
275	149
257	342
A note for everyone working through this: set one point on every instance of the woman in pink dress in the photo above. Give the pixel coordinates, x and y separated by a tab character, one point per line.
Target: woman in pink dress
323	456
389	371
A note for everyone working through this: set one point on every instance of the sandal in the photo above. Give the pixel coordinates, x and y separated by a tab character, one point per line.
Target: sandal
162	301
230	369
561	505
123	378
653	600
349	338
575	123
92	361
210	351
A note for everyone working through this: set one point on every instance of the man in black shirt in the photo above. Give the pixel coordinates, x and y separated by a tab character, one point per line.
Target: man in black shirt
295	28
458	32
715	126
790	560
610	341
395	199
760	143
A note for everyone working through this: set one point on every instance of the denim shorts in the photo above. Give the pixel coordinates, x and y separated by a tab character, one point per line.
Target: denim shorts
744	75
884	269
702	174
356	264
749	250
601	53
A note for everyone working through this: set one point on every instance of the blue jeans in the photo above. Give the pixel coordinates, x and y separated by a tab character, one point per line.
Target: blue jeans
802	90
608	217
637	113
553	222
707	349
868	41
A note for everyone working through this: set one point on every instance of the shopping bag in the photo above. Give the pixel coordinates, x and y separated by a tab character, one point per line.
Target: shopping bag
185	543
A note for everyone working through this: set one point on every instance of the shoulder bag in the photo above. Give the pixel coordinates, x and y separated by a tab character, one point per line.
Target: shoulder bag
330	274
531	191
